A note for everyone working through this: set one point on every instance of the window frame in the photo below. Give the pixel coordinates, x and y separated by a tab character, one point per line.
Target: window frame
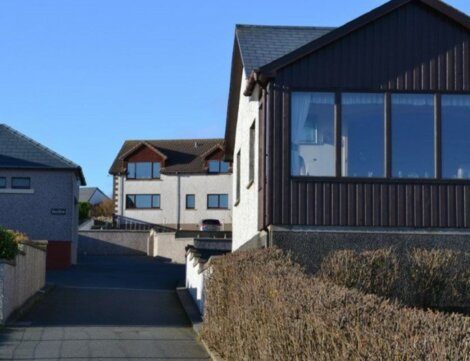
219	167
219	195
20	187
238	178
338	177
134	195
5	180
251	161
186	202
152	171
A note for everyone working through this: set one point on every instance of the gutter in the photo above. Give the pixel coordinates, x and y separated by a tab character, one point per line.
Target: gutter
257	77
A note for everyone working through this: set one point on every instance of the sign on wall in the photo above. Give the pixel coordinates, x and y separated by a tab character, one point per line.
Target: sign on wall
58	211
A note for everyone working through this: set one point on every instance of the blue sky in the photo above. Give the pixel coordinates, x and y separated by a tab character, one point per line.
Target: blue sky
83	76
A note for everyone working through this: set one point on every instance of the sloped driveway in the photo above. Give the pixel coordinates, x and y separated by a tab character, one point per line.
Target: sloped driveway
106	308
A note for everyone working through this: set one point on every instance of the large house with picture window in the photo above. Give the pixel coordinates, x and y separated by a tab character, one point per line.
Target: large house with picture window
173	183
356	130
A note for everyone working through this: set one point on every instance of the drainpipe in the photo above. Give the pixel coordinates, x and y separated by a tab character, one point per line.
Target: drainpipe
178	201
121	197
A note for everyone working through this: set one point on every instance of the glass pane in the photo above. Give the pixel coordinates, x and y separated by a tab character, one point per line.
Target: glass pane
156	170
413	136
223	201
190	201
131	170
214	166
130	202
156	201
362	142
3	182
313	148
143	170
213	201
20	182
224	166
456	136
143	201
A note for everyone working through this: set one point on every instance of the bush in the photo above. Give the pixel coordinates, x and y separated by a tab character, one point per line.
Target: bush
84	211
103	209
419	277
261	306
9	246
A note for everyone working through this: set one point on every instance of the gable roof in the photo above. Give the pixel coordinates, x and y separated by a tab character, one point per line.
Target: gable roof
438	5
143	143
183	155
262	44
19	151
86	193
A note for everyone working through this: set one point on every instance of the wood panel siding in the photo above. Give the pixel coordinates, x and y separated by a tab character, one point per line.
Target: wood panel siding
413	49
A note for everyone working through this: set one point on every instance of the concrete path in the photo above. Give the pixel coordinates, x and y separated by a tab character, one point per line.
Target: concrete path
106	308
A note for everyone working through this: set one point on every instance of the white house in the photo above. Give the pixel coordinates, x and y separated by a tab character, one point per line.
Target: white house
173	183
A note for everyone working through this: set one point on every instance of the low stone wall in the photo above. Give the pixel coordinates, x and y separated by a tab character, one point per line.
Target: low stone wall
113	242
22	278
169	246
311	245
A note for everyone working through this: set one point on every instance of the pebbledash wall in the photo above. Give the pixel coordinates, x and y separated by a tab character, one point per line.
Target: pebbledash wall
173	190
21	279
245	210
38	211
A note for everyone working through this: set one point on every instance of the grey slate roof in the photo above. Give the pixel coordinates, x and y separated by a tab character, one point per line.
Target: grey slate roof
19	151
86	193
259	45
182	154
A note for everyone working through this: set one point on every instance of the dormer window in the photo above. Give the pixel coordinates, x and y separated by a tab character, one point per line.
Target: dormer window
143	170
218	166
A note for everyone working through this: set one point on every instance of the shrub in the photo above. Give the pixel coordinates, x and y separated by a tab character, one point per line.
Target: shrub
418	277
103	209
83	211
9	246
261	306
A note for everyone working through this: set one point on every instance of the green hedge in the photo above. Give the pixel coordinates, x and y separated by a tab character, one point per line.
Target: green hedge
9	246
261	306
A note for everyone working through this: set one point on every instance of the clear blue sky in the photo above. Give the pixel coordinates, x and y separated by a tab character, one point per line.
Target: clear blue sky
81	76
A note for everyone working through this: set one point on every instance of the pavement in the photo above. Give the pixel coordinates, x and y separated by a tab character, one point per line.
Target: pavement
106	308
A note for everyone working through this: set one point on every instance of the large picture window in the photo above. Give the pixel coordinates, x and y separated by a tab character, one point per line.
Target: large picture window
143	170
217	201
218	166
362	143
143	201
413	136
456	136
313	143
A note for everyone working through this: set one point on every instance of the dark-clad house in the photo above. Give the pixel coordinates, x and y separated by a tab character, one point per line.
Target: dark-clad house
360	132
39	195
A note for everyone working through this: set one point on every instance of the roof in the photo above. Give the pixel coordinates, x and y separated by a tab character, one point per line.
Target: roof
19	151
86	193
261	44
183	155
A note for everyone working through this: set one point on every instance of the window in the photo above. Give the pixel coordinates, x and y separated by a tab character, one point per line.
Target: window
217	201
143	201
237	194
218	166
143	170
21	183
251	172
190	201
362	140
313	143
456	136
3	182
413	136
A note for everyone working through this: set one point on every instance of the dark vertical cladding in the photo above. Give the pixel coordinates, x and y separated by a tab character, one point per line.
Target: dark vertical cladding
413	49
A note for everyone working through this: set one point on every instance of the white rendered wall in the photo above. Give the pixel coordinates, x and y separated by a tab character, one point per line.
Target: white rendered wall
195	281
245	213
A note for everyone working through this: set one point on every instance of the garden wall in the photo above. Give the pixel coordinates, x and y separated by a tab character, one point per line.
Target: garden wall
22	278
112	242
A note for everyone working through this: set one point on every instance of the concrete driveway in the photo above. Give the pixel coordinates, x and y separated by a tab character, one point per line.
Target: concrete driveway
106	308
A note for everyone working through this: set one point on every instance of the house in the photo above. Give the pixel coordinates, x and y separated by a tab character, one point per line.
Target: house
39	195
173	183
92	195
359	129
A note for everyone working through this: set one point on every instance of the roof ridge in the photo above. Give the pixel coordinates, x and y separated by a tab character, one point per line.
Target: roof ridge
174	140
38	145
306	27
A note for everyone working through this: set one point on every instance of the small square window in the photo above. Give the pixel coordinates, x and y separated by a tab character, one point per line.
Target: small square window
217	201
190	201
21	182
3	182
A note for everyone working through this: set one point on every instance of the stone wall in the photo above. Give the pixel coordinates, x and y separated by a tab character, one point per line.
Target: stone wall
21	278
113	242
311	245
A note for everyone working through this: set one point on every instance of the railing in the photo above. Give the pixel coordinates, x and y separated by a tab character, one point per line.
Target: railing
131	224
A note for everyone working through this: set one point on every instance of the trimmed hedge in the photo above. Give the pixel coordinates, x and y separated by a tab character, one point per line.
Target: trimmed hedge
9	244
261	306
435	278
